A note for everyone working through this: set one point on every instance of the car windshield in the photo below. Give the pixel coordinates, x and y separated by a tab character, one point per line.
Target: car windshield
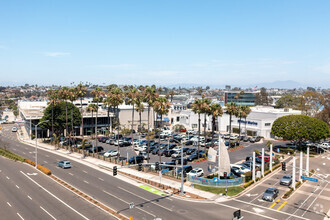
193	171
269	191
286	177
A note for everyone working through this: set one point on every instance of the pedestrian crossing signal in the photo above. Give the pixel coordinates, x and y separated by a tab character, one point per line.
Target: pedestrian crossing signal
114	170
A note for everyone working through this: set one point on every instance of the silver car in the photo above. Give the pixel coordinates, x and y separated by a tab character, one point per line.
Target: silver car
286	180
270	194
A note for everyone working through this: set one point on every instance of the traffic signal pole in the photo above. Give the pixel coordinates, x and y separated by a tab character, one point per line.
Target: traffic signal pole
293	173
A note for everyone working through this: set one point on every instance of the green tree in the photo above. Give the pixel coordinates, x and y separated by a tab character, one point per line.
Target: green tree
262	98
60	121
231	109
98	94
289	101
81	91
216	111
299	128
197	107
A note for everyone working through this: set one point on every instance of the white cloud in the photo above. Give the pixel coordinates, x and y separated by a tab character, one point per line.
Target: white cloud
114	66
56	54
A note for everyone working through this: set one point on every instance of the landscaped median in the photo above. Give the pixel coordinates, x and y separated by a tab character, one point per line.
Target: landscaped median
231	191
298	184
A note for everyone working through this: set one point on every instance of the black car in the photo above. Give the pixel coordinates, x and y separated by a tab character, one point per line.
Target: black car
186	169
95	149
258	160
169	152
236	171
191	151
178	161
155	151
139	159
168	167
189	142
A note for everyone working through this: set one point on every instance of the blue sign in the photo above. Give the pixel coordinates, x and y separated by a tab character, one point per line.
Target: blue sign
164	171
216	180
278	150
309	178
273	154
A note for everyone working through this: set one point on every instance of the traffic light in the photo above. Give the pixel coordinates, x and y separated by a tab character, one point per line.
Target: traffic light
114	170
237	214
157	166
225	174
283	166
140	167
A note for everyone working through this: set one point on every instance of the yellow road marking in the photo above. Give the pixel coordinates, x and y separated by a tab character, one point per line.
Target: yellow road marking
279	208
274	204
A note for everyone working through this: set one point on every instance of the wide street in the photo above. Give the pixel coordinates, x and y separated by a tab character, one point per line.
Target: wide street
117	194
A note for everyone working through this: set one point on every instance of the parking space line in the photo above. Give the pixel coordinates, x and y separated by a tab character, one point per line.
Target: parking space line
277	201
279	208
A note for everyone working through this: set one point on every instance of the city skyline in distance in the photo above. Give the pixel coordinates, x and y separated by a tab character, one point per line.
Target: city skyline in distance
164	43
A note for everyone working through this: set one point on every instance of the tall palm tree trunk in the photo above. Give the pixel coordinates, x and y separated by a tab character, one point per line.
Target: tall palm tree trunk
109	119
52	119
213	128
132	126
199	133
66	118
229	125
148	132
117	114
161	125
82	119
205	130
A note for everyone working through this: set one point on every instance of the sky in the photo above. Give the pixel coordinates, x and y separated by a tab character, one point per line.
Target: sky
165	42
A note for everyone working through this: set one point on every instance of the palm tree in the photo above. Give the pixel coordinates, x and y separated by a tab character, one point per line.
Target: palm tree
140	109
197	108
92	108
98	94
206	111
150	94
131	99
216	111
53	100
81	91
245	112
162	107
64	96
116	98
231	110
106	102
171	93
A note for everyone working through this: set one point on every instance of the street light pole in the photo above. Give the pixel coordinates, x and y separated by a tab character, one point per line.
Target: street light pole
36	137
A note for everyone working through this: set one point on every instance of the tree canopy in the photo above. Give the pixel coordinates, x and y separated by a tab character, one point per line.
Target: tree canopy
60	117
300	127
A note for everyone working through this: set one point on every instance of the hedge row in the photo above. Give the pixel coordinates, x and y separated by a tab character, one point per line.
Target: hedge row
267	172
288	193
11	155
276	166
246	185
39	167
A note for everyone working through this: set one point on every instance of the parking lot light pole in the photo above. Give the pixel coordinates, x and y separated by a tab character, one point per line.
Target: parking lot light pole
254	167
293	173
36	137
262	161
300	166
271	158
182	169
307	162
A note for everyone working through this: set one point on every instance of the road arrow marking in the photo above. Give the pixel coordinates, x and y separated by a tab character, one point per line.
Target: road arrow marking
257	210
251	194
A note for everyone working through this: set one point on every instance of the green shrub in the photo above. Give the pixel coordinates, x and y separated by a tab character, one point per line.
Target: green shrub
276	166
267	172
288	193
246	185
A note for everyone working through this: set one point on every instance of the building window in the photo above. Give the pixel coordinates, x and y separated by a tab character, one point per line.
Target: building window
194	126
177	119
267	124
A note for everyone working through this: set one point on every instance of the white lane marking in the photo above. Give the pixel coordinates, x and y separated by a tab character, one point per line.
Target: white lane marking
20	216
54	196
14	148
24	153
145	199
7	177
47	155
86	182
84	171
48	213
169	199
45	161
101	179
8	204
17	187
71	174
29	197
129	203
315	198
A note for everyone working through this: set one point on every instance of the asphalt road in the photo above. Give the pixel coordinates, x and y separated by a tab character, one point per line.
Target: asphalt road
117	194
27	194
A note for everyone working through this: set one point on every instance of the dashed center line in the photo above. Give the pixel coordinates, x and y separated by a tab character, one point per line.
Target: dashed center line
86	182
71	174
7	177
29	197
24	153
84	171
101	179
47	155
8	204
17	187
45	161
20	216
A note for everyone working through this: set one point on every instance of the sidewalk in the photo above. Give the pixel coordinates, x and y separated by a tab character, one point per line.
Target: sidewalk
97	164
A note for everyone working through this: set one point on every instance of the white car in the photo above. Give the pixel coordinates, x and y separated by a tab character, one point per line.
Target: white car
111	153
14	129
142	148
196	172
136	142
324	145
177	154
241	168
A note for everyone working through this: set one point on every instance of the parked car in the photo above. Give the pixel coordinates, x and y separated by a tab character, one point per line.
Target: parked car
191	151
286	180
195	156
168	153
14	129
246	139
177	154
186	169
155	151
196	172
144	155
178	161
139	159
64	164
324	145
270	194
111	153
110	141
95	149
236	171
250	164
241	168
